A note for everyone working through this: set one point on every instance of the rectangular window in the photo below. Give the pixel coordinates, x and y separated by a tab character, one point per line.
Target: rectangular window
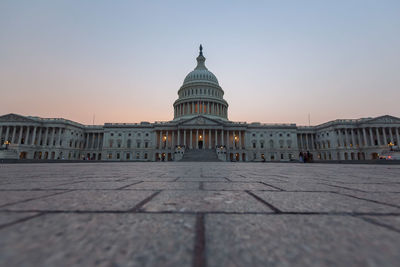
117	155
146	144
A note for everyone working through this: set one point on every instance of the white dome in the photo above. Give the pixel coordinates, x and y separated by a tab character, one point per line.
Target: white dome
200	73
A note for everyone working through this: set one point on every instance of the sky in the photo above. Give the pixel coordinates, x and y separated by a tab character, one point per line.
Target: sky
124	61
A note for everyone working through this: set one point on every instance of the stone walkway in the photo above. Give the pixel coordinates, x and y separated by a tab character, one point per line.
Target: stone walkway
199	214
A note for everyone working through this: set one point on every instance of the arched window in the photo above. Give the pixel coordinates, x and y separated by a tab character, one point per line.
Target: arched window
271	143
129	143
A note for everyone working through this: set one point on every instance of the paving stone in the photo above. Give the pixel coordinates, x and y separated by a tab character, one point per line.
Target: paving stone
99	200
298	240
388	198
10	217
99	239
94	185
10	197
303	186
237	186
165	185
203	201
390	188
391	221
321	202
32	185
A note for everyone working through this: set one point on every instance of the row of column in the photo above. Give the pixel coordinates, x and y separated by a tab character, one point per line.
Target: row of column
360	137
93	140
210	138
306	141
31	135
368	137
200	107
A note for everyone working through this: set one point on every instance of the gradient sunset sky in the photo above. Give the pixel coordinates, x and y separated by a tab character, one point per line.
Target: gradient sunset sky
124	61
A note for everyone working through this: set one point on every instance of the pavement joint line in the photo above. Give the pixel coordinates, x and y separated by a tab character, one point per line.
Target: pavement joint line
20	221
127	212
371	221
366	199
125	186
348	188
229	180
199	251
35	198
280	189
139	206
275	209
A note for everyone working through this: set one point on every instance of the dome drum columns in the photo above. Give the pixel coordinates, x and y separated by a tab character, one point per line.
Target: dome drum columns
197	107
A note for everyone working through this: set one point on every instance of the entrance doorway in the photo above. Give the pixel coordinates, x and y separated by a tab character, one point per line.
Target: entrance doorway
200	144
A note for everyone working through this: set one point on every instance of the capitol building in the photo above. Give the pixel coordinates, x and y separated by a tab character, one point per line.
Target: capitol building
199	131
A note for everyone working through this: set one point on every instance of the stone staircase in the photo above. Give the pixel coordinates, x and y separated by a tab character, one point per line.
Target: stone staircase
204	155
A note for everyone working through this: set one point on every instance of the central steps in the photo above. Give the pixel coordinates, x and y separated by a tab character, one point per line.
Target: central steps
203	155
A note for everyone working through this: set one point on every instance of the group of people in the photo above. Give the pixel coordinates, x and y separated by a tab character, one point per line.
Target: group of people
305	157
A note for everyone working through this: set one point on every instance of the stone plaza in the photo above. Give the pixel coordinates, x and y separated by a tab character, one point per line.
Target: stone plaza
199	214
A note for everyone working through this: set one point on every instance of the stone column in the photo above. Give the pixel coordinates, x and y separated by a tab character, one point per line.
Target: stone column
59	136
1	133
359	137
98	140
341	138
40	135
377	136
179	138
371	137
191	139
28	128
20	134
391	135
13	134
240	139
227	138
160	145
397	137
166	141
384	136
233	139
209	137
300	142
365	137
184	138
347	137
52	136
192	107
46	136
204	138
197	139
173	140
352	137
7	133
87	141
215	138
307	144
312	142
222	137
34	135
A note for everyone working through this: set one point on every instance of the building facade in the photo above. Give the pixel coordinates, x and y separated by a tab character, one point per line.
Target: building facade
200	124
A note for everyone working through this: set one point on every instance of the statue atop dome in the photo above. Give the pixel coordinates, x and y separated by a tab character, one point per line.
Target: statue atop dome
201	50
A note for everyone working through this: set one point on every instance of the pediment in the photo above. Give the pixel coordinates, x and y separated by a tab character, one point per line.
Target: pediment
14	118
200	120
384	119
